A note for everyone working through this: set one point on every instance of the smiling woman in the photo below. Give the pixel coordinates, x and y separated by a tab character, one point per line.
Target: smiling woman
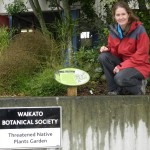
122	17
125	59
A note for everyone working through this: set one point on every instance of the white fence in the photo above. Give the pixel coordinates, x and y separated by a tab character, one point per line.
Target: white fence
98	122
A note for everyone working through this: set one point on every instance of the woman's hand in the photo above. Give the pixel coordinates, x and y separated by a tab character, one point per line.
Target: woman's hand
116	70
104	49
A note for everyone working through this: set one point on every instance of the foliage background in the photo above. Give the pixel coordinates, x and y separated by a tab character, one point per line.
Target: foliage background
28	61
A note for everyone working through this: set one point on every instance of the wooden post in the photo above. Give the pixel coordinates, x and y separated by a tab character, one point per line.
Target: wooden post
72	91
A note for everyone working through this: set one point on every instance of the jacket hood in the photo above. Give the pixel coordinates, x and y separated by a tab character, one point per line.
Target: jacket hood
133	26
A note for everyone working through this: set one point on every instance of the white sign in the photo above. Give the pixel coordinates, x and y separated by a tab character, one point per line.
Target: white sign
30	127
72	76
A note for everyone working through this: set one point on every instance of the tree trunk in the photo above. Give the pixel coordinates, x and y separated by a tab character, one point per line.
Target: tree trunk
67	17
38	13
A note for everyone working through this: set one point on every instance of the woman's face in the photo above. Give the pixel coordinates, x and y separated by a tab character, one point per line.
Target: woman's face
121	17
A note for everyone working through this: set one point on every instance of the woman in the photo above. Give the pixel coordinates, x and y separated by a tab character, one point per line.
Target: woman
126	58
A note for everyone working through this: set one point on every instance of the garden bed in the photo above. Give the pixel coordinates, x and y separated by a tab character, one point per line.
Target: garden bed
98	88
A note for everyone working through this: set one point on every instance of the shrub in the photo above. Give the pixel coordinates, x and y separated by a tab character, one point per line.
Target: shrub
27	55
86	59
4	38
43	48
44	84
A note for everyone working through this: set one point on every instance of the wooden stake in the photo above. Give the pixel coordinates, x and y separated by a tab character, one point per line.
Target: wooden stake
72	91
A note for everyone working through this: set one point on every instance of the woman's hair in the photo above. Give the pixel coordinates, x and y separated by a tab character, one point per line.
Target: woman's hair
124	5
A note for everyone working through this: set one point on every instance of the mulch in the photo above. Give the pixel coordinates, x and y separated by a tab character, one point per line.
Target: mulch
98	88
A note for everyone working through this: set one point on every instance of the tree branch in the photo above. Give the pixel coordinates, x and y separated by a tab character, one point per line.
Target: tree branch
33	7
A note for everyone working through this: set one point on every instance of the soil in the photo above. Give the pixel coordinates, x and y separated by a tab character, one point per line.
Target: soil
98	88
